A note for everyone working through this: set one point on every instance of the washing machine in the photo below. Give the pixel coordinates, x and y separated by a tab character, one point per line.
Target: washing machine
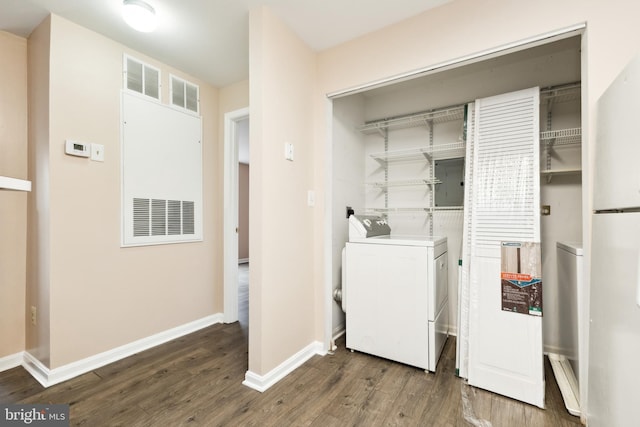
395	293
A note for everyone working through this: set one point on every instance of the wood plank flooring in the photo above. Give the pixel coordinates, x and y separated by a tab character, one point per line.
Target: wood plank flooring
196	381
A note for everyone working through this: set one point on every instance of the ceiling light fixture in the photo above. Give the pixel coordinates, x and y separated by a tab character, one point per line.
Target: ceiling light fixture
140	15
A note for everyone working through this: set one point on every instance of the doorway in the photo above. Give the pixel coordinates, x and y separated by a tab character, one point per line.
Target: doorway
236	149
541	63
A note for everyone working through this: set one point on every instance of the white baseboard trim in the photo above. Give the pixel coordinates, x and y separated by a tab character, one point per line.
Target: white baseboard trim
567	382
11	361
36	369
243	261
48	377
554	349
263	382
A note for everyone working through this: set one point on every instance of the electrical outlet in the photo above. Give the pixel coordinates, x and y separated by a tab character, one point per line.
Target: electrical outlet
34	315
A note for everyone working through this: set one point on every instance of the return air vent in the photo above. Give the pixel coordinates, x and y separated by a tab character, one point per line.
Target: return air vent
158	217
141	77
184	94
188	216
161	173
141	210
174	217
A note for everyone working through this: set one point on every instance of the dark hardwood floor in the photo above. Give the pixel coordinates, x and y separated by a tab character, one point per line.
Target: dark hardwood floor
196	380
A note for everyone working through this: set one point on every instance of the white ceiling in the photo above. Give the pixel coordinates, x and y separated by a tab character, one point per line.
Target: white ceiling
209	38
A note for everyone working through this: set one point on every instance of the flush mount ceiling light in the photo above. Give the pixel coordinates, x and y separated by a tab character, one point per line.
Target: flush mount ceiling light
139	15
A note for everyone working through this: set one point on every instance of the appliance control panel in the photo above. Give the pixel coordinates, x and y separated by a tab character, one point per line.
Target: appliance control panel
364	226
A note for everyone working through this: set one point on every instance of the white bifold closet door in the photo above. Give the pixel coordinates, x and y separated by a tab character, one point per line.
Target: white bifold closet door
462	340
505	348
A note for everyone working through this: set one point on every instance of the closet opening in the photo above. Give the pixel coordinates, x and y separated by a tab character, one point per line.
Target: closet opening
400	151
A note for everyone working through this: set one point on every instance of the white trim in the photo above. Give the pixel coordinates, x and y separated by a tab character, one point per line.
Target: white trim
263	382
329	341
14	184
567	382
339	331
48	377
243	261
11	361
483	55
36	368
230	219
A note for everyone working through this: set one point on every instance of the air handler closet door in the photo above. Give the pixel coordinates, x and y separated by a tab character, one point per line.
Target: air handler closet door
505	344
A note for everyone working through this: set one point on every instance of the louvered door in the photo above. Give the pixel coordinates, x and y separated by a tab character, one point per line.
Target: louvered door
505	348
462	341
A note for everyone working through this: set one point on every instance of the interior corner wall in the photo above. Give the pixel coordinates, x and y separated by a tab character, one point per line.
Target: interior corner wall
92	295
282	84
13	204
38	336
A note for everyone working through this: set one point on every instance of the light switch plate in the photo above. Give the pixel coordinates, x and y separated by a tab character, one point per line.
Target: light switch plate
97	152
288	151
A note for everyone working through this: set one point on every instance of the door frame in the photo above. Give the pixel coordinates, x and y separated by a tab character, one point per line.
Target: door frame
230	215
579	29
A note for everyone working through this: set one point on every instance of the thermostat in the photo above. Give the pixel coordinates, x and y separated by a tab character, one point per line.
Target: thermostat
76	148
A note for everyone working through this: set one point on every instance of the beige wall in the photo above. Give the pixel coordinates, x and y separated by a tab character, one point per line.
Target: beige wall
38	240
282	70
243	211
234	97
13	204
100	295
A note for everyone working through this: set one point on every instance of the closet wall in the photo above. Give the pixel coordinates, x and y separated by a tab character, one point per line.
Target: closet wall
547	65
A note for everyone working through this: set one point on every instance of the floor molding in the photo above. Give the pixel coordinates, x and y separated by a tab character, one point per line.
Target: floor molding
567	382
262	383
243	261
11	361
48	377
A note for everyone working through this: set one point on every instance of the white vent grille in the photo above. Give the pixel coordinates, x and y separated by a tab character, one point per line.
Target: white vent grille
184	94
141	223
157	217
142	78
188	218
174	217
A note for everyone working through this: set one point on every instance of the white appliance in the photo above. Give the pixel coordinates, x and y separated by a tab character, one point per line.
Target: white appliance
565	360
396	293
614	329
